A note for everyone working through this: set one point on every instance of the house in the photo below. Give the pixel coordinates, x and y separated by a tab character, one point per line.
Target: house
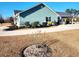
17	11
40	12
64	16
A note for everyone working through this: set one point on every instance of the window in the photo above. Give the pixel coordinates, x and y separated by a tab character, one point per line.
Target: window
48	19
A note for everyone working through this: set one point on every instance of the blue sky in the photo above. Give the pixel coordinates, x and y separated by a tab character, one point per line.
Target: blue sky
7	8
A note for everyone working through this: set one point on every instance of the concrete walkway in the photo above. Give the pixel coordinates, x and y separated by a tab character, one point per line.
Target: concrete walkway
3	27
40	30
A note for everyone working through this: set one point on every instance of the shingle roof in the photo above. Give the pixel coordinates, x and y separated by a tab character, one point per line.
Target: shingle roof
34	8
64	14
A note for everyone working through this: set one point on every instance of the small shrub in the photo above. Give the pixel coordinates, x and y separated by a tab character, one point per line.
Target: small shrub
27	24
50	23
55	23
44	24
67	20
21	27
35	24
11	28
77	19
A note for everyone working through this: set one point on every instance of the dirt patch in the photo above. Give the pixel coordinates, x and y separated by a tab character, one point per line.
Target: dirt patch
37	50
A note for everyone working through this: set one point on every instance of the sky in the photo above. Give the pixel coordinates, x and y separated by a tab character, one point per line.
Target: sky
7	8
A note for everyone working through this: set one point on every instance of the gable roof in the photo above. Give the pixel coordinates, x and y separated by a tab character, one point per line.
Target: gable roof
36	7
17	11
64	14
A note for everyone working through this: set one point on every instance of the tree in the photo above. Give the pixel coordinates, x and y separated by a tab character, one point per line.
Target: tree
11	20
72	11
1	19
68	11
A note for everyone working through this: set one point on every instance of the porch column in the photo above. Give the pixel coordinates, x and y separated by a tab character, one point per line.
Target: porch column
63	21
72	20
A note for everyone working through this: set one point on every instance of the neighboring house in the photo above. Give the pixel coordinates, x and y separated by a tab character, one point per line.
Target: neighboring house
64	16
74	18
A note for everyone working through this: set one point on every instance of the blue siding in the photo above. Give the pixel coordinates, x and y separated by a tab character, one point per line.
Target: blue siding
39	15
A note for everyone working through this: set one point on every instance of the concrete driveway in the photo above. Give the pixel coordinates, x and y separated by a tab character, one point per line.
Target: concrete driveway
38	30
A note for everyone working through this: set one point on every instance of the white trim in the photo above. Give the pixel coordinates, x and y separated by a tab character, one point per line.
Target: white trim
14	16
18	22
